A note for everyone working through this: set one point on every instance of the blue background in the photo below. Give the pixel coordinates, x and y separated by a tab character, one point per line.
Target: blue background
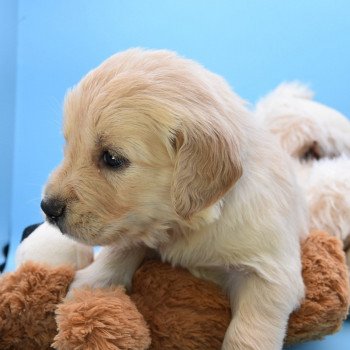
47	46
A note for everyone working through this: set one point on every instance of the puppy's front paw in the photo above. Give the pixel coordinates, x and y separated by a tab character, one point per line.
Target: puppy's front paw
84	279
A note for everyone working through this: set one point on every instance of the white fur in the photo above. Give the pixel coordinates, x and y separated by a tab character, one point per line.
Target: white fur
297	121
47	245
299	124
327	188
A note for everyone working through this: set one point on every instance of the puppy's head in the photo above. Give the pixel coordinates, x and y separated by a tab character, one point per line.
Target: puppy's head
307	130
151	139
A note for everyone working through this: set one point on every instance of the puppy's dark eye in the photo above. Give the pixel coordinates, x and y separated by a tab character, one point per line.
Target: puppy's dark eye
311	155
314	152
114	161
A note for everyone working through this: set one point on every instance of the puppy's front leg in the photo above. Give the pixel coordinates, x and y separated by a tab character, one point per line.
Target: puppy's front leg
112	266
260	311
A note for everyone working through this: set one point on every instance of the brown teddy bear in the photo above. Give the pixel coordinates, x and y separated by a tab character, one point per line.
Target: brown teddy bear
167	309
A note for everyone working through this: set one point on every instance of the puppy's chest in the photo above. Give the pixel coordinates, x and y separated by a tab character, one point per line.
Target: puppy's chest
193	250
202	260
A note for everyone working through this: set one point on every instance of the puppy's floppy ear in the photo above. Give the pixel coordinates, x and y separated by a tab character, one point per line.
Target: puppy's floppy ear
300	136
207	164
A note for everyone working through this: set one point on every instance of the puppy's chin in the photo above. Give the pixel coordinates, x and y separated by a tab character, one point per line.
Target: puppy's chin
84	239
94	235
88	238
80	237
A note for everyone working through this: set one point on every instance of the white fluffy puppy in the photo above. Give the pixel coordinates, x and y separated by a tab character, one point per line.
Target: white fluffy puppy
318	137
305	128
327	187
161	154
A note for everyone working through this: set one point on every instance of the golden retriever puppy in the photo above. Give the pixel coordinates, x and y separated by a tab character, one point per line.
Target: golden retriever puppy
160	154
305	128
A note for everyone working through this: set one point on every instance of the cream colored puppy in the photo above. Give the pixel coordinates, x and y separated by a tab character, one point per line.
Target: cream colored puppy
161	154
305	128
327	187
318	138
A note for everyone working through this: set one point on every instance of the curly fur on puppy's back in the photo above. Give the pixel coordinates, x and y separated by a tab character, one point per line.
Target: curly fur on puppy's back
300	123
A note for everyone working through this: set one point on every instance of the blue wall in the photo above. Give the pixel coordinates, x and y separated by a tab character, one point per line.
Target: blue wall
255	44
8	29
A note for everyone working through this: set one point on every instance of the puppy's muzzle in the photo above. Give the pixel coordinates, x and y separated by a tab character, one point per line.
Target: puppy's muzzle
54	208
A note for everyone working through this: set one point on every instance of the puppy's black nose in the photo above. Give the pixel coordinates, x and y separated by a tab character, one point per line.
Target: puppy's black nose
53	208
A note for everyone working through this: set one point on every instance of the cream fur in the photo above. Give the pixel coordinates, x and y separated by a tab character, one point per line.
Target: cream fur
327	187
205	188
301	124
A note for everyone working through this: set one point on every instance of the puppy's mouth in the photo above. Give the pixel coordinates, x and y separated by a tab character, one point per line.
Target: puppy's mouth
80	233
62	224
59	223
66	231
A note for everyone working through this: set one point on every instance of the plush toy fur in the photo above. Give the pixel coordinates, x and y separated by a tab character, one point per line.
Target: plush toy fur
29	297
181	311
186	313
100	319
